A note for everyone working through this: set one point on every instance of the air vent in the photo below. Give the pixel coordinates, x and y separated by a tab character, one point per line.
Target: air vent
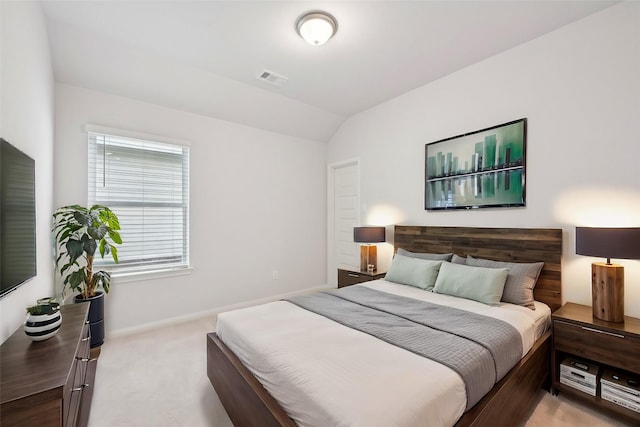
273	78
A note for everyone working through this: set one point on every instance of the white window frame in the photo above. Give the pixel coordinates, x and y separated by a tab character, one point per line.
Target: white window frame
157	270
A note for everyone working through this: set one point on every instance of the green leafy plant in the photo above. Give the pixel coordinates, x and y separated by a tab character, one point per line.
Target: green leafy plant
79	232
48	308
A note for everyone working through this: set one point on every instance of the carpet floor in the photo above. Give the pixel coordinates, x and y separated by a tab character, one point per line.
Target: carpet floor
158	378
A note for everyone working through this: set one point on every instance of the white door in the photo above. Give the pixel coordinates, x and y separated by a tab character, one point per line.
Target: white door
344	200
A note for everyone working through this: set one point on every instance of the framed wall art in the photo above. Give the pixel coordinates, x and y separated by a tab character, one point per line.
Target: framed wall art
480	169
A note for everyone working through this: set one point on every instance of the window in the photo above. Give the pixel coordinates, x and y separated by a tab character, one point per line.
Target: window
146	184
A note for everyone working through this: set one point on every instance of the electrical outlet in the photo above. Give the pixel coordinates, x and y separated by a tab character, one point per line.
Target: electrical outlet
274	275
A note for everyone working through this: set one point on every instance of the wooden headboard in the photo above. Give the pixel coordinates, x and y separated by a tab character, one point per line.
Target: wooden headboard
500	244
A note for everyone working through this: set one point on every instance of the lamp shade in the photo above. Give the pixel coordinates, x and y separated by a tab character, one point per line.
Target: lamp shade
621	243
368	234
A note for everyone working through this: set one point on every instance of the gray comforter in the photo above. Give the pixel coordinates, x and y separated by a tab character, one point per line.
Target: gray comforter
480	349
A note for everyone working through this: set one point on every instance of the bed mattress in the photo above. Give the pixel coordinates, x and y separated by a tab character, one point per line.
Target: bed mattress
325	374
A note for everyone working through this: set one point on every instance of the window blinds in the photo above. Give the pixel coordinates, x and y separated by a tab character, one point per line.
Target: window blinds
146	184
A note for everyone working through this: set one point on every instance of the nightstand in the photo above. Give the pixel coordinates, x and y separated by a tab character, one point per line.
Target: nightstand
612	346
348	277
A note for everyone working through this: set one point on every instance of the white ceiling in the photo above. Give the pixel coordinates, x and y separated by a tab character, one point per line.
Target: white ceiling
205	56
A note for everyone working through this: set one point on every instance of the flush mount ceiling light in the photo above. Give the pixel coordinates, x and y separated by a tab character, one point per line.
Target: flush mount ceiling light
317	27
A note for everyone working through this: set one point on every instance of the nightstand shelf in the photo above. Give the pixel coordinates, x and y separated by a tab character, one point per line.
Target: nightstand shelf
349	277
610	345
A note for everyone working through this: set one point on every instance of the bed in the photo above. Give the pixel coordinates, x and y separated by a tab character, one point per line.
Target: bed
248	402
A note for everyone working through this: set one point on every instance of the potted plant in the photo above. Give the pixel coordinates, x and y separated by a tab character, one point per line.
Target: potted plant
43	321
79	233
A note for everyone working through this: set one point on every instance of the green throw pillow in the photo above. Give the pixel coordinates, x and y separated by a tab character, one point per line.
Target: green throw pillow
417	272
479	284
522	278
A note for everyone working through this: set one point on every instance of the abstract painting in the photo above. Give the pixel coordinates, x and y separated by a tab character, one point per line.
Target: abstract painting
480	169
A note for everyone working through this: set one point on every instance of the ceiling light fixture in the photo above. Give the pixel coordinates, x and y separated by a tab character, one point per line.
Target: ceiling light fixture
316	27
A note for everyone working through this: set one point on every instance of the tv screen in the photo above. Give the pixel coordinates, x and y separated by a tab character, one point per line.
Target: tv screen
17	218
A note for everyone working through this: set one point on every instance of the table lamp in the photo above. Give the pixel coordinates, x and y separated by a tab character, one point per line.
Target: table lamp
368	252
607	279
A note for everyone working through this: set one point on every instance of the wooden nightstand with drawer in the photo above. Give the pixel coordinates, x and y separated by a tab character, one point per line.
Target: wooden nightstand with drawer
611	346
348	277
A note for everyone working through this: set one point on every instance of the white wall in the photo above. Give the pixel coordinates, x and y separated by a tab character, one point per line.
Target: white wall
26	121
257	205
579	87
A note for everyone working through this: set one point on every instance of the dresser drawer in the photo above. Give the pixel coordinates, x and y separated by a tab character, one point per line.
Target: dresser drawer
589	341
348	277
76	382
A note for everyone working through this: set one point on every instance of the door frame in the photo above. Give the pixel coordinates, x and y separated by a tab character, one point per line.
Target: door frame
332	272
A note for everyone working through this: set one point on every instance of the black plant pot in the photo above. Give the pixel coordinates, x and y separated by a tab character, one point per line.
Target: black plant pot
96	317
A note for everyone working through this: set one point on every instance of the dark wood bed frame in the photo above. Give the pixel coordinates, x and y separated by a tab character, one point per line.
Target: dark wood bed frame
509	402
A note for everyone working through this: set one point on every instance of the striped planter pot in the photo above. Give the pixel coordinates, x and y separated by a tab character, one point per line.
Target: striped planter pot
39	327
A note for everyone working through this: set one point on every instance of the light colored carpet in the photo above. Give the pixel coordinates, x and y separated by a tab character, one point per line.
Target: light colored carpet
158	378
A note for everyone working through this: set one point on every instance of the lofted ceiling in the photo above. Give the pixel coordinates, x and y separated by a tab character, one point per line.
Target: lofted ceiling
205	56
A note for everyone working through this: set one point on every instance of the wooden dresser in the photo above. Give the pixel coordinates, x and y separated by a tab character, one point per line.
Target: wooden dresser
48	383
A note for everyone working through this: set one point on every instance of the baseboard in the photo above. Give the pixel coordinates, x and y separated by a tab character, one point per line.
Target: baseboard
209	313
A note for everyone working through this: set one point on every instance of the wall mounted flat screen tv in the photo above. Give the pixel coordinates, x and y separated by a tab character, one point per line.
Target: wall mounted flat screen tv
17	218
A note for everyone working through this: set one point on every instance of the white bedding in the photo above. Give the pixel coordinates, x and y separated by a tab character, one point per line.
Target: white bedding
325	374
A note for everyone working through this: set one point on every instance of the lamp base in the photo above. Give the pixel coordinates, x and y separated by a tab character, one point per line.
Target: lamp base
368	256
607	291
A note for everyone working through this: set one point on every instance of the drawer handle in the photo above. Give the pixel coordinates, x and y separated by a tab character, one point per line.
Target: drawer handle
82	387
353	275
83	359
85	339
602	332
